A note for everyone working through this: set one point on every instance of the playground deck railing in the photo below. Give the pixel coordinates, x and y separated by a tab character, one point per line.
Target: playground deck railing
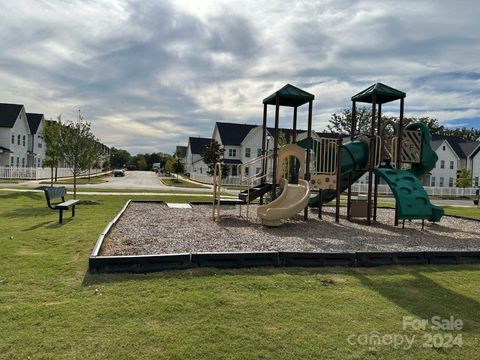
324	157
250	181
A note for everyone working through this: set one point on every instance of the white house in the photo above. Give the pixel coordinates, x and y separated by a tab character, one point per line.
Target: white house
444	173
471	150
194	155
22	146
14	135
36	144
454	154
474	165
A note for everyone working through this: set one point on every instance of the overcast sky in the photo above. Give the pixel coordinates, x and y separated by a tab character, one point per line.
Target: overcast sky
149	74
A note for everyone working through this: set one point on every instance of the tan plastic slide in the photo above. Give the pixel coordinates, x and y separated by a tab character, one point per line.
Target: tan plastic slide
292	200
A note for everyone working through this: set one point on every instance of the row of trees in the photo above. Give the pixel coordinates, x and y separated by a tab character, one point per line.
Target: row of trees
72	142
341	123
120	158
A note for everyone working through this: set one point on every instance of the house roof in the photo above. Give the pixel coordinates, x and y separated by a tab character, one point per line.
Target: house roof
476	151
435	144
34	121
9	114
198	144
469	147
382	92
4	150
234	134
453	141
289	95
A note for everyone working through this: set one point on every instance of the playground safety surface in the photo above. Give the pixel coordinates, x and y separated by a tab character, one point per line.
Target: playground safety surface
149	228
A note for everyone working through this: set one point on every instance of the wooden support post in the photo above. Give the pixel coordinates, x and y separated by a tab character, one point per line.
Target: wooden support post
264	160
309	147
294	132
275	148
399	149
339	177
320	203
264	136
371	160
292	166
377	179
352	137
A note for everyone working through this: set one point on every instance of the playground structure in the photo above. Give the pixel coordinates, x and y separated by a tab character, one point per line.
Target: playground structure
326	167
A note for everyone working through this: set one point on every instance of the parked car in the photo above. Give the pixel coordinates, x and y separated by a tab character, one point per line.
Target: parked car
118	172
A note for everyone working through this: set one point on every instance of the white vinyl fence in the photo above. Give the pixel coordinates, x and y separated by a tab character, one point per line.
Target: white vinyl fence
229	180
33	173
438	191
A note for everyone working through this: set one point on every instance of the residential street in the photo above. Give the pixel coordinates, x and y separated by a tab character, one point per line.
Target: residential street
132	180
147	180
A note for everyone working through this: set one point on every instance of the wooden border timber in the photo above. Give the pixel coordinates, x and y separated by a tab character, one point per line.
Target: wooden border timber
160	262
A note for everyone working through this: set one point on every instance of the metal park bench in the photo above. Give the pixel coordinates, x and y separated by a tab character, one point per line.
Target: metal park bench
56	193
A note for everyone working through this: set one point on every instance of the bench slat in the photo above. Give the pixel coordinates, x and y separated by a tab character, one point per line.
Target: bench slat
66	204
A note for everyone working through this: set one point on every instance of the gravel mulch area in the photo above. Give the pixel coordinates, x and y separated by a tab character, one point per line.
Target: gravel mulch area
153	228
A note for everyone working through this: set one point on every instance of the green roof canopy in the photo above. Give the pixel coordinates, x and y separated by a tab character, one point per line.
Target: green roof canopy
289	96
383	94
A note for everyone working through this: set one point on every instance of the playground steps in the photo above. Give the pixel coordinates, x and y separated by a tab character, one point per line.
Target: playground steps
412	199
254	192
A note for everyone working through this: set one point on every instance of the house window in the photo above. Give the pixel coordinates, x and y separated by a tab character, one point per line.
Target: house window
12	161
13	139
442	164
18	161
450	182
39	163
23	162
232	152
257	170
234	170
441	181
247	171
40	145
23	140
476	181
259	152
247	152
18	140
443	148
432	181
451	164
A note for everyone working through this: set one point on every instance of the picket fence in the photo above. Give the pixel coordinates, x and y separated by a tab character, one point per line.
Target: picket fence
35	173
357	187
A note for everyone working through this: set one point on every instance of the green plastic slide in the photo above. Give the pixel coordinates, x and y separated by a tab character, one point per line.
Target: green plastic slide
412	199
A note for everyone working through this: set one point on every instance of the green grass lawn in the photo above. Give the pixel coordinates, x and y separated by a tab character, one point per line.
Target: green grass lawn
51	308
8	181
84	180
462	211
181	183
